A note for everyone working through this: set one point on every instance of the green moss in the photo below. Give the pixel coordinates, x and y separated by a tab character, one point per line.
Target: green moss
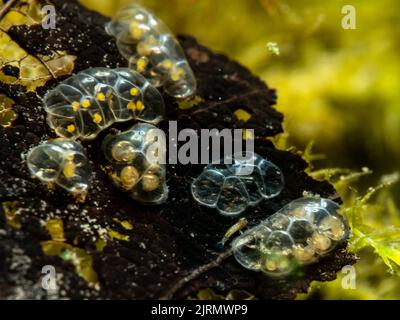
374	221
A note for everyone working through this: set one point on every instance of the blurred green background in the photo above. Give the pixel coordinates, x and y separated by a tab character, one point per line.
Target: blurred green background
339	88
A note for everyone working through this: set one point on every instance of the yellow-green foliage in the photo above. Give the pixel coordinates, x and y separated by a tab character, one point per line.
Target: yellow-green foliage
372	282
375	235
34	70
373	224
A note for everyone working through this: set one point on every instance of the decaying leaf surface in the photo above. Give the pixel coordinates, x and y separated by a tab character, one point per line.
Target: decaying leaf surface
19	67
166	251
7	114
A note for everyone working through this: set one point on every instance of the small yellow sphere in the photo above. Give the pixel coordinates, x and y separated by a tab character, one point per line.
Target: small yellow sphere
136	31
177	74
143	48
69	169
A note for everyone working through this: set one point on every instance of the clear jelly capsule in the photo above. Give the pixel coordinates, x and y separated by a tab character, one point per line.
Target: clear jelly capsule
248	249
231	188
92	100
62	161
296	235
136	164
152	50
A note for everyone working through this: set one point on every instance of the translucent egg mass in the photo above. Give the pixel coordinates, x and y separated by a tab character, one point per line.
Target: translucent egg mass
297	235
231	188
151	49
135	165
63	162
92	100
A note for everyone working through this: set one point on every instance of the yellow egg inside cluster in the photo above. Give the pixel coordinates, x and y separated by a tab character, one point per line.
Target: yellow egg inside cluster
71	128
92	100
129	177
75	105
131	166
135	30
153	50
141	64
123	151
69	169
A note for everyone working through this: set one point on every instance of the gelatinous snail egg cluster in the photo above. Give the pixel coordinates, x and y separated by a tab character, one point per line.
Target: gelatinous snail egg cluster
296	235
135	166
231	188
88	102
152	50
63	162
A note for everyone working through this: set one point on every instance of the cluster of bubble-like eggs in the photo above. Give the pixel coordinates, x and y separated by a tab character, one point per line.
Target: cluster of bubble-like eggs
237	182
92	100
296	235
62	161
135	163
152	49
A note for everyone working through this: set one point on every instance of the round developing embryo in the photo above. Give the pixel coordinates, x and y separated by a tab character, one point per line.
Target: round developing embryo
133	163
